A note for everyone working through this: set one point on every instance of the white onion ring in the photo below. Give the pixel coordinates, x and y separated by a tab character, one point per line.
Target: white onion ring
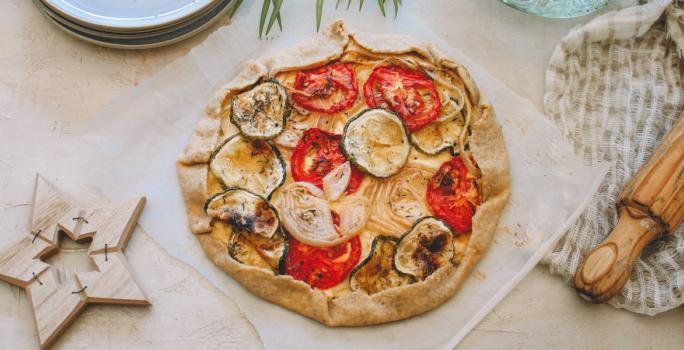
354	212
294	129
398	201
336	181
456	106
308	217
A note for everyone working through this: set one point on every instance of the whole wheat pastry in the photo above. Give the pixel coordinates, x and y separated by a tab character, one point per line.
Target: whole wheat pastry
355	179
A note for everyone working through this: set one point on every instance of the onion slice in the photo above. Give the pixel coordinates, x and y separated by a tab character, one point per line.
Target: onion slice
336	181
353	212
308	216
397	202
294	129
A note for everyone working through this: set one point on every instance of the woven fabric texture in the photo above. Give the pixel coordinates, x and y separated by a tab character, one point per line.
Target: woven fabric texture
614	88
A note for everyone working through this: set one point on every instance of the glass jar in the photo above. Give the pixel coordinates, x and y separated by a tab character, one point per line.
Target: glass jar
557	8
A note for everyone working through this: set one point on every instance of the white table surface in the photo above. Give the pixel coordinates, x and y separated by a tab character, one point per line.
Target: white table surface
59	82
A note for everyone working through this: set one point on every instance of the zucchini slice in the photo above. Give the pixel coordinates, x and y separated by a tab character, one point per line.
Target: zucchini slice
376	142
424	248
438	136
377	272
244	210
261	112
255	250
253	165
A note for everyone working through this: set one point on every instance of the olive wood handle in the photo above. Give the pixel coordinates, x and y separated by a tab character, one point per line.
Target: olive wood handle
650	206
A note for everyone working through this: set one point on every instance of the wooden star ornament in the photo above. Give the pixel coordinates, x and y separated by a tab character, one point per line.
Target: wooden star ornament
57	296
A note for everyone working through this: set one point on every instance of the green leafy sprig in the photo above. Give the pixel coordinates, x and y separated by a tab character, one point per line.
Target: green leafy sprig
273	7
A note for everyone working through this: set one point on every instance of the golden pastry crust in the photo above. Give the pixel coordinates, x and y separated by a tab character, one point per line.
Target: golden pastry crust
353	308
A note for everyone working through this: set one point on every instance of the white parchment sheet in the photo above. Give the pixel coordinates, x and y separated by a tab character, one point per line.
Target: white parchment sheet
130	148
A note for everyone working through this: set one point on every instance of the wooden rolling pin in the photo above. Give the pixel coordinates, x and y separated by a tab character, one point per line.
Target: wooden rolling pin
650	206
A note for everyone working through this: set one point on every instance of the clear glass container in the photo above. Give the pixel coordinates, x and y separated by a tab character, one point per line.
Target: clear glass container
557	8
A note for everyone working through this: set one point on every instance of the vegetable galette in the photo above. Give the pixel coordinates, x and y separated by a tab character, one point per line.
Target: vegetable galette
354	179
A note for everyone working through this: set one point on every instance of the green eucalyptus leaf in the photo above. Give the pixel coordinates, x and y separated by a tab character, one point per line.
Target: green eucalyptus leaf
319	13
264	12
277	4
381	4
280	21
236	6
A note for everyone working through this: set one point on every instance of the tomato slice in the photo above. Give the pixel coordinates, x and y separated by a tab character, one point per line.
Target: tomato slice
318	153
409	93
322	268
453	195
327	89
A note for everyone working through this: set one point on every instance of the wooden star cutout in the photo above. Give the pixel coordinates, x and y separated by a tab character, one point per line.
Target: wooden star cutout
57	299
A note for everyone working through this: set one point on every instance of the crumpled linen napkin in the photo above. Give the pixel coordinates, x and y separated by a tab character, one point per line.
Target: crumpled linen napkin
614	88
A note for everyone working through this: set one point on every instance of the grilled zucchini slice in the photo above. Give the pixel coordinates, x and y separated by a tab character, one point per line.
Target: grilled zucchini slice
424	248
261	113
253	165
244	210
256	250
438	136
377	273
376	142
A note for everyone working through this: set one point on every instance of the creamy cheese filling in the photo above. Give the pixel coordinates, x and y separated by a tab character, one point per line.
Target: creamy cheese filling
406	201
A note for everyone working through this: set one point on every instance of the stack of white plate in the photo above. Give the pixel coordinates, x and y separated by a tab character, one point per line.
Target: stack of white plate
133	24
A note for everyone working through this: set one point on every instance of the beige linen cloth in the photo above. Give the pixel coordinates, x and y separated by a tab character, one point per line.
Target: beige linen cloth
614	88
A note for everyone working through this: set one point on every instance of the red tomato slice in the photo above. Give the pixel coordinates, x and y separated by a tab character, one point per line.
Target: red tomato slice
317	154
409	93
453	195
327	89
322	268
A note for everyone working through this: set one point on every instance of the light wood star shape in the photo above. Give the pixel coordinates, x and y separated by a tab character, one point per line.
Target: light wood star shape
56	299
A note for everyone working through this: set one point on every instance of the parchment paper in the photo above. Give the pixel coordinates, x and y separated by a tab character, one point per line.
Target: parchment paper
130	148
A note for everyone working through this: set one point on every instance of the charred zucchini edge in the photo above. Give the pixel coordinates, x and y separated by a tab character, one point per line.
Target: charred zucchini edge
373	252
286	251
446	146
421	220
230	189
234	188
410	229
281	261
286	111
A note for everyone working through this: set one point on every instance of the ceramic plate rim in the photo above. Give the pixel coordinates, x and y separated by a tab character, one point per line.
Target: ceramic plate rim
121	43
200	17
87	19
